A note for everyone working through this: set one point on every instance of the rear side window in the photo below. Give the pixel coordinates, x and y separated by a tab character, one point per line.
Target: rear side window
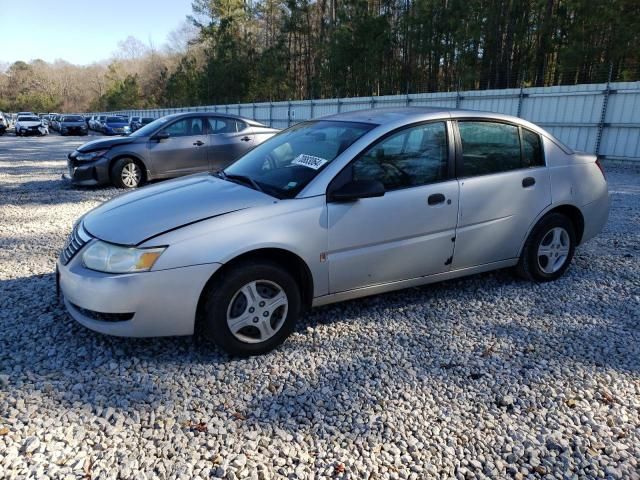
221	125
489	147
532	155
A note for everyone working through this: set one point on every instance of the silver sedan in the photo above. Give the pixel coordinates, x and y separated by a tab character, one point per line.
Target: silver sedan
332	209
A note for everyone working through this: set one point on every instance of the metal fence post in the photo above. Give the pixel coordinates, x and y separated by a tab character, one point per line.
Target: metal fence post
458	96
271	114
311	107
338	100
373	102
603	113
288	113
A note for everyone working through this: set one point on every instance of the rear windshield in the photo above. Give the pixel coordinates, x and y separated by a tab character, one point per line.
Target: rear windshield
28	119
147	120
73	118
115	120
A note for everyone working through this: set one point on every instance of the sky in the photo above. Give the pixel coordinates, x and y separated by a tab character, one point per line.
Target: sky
83	32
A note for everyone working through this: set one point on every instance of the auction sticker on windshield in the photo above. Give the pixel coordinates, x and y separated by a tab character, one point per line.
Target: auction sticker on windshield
309	161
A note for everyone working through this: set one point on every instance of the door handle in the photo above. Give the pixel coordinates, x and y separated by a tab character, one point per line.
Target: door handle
245	139
435	199
528	182
199	143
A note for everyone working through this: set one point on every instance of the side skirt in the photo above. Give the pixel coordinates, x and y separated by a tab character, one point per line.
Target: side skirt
413	282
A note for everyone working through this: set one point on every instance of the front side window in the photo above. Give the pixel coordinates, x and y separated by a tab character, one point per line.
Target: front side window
185	127
409	158
287	162
489	147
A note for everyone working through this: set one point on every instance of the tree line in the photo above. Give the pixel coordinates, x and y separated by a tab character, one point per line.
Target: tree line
235	51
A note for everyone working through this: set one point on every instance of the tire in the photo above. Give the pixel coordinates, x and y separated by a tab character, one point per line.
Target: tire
123	173
226	301
548	250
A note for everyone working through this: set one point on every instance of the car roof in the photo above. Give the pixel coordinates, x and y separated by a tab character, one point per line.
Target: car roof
218	114
392	115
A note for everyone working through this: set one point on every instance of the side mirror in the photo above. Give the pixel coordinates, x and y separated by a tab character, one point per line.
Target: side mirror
160	136
357	189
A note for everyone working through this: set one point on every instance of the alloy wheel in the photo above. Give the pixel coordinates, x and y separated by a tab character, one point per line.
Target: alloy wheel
553	250
131	175
257	311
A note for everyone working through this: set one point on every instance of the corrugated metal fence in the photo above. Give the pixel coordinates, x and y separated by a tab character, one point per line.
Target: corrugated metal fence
597	118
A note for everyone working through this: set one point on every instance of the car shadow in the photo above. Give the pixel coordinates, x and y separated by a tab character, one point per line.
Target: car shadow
128	373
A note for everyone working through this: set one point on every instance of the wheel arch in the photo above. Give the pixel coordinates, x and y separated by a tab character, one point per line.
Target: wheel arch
572	212
292	262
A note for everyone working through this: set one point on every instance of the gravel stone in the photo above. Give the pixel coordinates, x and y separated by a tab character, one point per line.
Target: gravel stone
481	377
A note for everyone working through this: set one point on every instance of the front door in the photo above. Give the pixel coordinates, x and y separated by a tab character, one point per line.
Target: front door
408	232
229	139
503	188
184	152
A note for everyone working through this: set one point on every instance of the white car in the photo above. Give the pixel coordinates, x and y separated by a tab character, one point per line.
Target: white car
30	125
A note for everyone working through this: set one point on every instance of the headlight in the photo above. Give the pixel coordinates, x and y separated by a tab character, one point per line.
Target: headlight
126	128
87	157
109	258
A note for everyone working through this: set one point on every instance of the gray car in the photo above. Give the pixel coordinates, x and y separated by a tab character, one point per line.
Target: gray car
72	125
333	209
171	146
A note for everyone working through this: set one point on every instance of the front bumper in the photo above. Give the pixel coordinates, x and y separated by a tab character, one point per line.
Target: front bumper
87	173
148	304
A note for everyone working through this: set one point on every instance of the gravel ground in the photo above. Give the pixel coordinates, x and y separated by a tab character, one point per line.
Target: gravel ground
487	376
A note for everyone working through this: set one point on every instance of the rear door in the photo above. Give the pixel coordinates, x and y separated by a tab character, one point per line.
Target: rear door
184	152
504	185
229	139
408	232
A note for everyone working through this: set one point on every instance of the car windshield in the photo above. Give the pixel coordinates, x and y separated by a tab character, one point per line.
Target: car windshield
73	118
286	163
150	127
115	120
28	119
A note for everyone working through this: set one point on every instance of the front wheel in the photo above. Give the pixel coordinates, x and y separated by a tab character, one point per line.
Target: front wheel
126	173
549	249
251	309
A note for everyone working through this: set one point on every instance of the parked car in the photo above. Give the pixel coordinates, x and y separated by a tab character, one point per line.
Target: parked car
4	123
30	125
346	206
172	146
138	122
55	122
93	122
72	125
115	126
100	123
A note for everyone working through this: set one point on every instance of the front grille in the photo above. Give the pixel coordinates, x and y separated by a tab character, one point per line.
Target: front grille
78	239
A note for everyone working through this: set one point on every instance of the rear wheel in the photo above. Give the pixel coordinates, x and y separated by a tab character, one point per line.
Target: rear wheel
549	249
126	173
251	309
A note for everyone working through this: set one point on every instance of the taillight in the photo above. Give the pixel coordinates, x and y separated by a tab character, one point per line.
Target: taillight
600	167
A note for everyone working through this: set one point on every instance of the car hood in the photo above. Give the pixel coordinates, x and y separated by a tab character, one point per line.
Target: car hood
105	143
135	217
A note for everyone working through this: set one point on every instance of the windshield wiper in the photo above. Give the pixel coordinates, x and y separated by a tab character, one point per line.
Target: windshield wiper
245	179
